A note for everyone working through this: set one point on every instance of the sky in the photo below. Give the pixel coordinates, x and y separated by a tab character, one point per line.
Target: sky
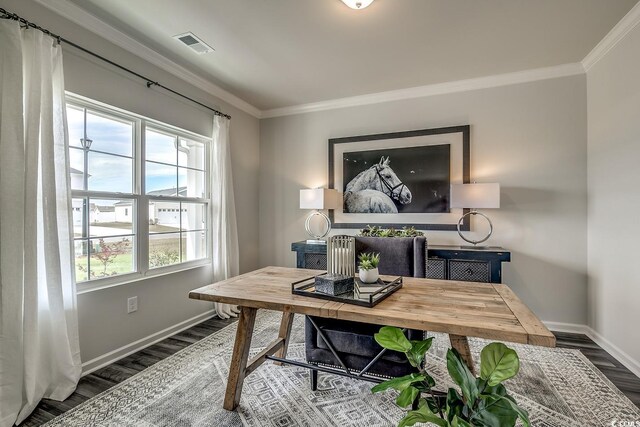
111	169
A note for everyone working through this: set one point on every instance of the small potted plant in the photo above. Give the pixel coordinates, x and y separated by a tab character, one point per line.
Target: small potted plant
368	267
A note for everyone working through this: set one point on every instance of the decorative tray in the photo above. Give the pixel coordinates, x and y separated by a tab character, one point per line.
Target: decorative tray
372	294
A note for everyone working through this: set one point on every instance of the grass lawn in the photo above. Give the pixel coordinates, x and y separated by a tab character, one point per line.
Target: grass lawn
162	251
121	264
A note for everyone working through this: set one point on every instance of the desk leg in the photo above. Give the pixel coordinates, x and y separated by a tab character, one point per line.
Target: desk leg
285	332
461	344
237	370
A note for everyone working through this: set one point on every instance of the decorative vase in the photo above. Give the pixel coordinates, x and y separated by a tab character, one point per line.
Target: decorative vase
368	276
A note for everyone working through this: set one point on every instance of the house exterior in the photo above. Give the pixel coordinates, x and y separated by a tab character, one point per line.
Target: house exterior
160	212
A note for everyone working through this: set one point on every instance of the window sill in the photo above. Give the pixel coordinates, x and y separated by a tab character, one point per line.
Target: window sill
125	279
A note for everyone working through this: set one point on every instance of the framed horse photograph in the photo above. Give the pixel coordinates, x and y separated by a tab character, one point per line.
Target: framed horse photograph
399	179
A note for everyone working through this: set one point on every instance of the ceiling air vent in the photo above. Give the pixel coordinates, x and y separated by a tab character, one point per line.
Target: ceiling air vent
195	43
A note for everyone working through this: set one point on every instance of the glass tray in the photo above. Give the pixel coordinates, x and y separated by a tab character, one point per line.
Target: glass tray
307	288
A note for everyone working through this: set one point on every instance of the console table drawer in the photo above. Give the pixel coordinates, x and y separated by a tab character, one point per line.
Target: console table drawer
436	268
469	271
315	261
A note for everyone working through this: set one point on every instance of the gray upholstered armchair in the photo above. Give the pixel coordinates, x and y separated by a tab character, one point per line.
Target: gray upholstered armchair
353	342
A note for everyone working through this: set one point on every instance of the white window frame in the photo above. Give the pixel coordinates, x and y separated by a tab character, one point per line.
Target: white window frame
141	210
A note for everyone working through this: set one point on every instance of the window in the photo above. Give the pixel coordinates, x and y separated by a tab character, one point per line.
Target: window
140	194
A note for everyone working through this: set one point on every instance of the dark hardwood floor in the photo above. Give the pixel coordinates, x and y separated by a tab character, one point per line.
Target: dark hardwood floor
105	378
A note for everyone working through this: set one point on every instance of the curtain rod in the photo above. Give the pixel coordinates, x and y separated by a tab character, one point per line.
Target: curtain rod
8	15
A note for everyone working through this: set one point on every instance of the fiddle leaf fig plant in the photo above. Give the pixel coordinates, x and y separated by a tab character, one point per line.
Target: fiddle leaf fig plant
482	401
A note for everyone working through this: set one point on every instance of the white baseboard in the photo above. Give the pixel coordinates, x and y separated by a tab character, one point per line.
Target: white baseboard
571	328
622	357
615	351
124	351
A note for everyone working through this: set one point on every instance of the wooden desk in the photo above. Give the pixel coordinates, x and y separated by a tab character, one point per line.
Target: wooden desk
460	309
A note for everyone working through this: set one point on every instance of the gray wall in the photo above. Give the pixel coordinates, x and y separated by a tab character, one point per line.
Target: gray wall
104	322
613	90
531	138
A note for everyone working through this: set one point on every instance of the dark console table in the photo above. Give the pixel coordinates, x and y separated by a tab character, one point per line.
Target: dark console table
443	262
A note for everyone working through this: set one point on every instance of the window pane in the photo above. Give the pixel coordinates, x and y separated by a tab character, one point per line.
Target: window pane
75	122
191	154
82	266
111	256
78	206
111	217
194	245
110	173
103	151
160	147
160	180
164	249
76	168
191	183
110	135
194	216
164	216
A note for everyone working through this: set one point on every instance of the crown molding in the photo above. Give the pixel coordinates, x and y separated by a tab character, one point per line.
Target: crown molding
433	89
617	33
92	23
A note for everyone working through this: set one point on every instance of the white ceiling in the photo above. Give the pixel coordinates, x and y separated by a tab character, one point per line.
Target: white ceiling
278	53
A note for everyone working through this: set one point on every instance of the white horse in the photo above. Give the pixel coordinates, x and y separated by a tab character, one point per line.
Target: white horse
375	189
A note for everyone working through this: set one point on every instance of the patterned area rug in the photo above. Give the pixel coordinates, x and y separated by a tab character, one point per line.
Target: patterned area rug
558	387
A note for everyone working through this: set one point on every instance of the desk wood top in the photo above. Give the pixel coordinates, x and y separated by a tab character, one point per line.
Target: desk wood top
484	310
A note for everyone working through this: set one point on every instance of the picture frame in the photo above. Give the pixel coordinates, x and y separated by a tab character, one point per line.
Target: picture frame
418	186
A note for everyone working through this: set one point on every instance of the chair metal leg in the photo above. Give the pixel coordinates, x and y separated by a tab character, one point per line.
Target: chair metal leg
328	343
313	376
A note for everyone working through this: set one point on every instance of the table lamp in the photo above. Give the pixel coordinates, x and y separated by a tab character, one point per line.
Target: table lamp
318	199
475	196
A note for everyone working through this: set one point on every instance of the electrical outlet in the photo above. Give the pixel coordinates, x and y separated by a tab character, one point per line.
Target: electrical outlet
132	304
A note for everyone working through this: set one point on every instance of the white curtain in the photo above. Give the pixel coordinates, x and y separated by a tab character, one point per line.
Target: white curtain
224	226
39	349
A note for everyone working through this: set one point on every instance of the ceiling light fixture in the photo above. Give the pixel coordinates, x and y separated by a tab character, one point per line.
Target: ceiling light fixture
357	4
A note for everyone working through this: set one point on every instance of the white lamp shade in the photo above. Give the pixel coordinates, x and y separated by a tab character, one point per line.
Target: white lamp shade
357	4
475	196
319	198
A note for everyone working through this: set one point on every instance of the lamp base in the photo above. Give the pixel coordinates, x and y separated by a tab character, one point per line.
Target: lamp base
474	242
317	237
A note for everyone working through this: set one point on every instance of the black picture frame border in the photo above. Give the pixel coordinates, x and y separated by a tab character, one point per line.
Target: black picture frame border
466	164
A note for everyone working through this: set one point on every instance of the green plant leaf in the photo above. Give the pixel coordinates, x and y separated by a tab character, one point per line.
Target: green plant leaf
421	346
459	422
393	338
431	403
499	390
422	415
425	384
399	383
494	411
498	363
454	405
418	351
521	412
412	360
407	396
462	376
